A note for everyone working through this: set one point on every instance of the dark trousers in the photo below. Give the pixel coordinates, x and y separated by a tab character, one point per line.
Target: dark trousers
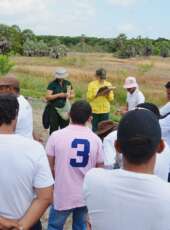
56	121
37	226
98	118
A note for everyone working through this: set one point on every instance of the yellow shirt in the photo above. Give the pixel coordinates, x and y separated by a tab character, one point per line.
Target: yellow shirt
100	104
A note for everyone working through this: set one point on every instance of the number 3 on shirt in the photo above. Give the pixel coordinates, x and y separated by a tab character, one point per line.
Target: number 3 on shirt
84	153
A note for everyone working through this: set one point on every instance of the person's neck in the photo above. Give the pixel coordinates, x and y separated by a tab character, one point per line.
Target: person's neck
101	81
6	129
147	168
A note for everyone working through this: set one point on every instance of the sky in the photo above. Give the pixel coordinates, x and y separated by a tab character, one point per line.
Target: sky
99	18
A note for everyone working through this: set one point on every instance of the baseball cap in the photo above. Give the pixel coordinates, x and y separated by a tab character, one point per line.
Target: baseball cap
151	107
139	134
101	73
61	73
130	82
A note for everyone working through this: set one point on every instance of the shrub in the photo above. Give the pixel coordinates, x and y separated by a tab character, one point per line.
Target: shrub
5	64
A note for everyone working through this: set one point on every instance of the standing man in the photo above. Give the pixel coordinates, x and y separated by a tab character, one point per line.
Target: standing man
58	94
100	95
134	95
166	108
72	152
131	198
24	127
26	180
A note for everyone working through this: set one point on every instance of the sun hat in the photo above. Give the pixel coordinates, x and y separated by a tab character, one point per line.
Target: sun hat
106	127
61	73
130	82
9	80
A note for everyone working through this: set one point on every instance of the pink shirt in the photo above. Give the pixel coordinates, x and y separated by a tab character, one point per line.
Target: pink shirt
76	150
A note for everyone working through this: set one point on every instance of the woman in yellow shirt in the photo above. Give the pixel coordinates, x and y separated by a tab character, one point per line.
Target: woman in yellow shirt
99	95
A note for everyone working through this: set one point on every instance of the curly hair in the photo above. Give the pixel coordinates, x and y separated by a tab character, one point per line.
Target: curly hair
8	108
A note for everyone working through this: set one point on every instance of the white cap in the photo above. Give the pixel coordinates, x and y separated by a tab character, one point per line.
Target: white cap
130	82
61	73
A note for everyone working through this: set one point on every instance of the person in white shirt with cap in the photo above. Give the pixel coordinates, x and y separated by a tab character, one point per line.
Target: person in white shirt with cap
134	95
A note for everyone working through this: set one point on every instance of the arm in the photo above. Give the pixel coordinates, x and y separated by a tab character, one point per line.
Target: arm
38	207
91	93
8	224
110	96
51	160
50	96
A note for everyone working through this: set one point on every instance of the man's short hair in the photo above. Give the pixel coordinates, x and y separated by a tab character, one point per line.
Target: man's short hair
139	134
80	112
8	108
167	85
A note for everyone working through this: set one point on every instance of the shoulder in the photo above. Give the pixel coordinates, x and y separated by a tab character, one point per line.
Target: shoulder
92	83
51	84
111	136
30	146
67	82
140	94
94	176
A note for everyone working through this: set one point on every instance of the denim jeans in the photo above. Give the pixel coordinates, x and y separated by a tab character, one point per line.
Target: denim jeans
57	218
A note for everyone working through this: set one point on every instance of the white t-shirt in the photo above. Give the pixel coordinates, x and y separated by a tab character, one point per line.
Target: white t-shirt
24	166
109	149
165	109
162	166
165	128
135	99
123	200
25	118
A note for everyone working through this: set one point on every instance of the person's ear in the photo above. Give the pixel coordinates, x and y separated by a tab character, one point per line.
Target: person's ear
160	147
90	119
117	146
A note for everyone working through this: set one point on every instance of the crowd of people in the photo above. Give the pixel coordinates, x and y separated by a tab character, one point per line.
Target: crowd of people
107	175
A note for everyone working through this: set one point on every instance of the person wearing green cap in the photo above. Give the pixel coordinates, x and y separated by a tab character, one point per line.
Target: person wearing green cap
100	95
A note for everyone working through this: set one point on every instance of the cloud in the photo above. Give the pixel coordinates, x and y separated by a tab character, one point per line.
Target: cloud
49	16
123	3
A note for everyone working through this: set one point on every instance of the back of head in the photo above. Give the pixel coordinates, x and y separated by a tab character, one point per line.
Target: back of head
80	112
167	85
8	108
101	73
139	135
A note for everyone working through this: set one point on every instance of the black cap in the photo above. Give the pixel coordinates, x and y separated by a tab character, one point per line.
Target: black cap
101	73
140	126
151	107
167	85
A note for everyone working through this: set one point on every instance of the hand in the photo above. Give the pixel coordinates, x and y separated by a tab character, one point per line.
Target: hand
6	224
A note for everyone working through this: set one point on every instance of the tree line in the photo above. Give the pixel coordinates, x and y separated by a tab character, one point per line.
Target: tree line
26	42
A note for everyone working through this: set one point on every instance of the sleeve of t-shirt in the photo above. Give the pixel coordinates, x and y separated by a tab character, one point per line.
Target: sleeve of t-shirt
100	154
43	176
50	146
141	98
50	86
165	109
